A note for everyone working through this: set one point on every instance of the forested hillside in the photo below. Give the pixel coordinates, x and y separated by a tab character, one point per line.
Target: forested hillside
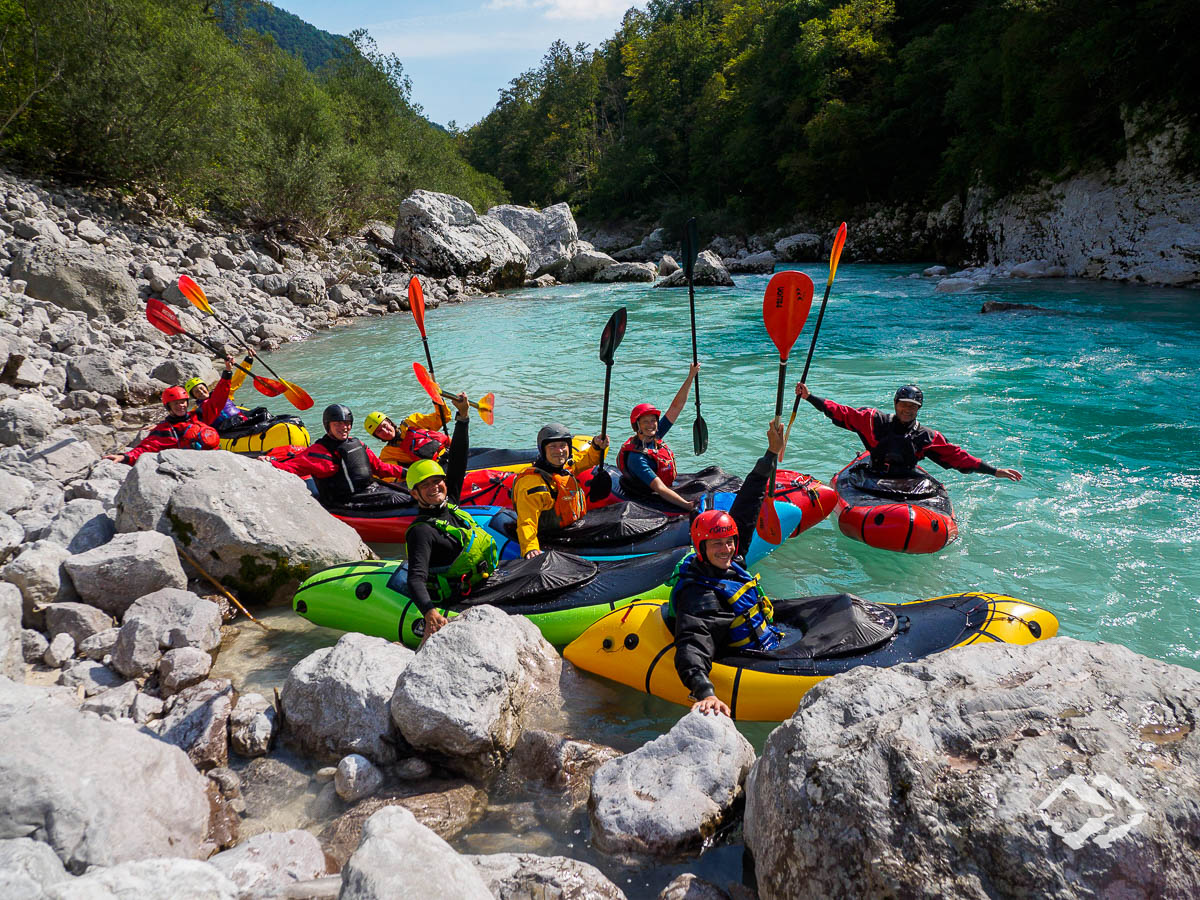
748	111
291	33
152	93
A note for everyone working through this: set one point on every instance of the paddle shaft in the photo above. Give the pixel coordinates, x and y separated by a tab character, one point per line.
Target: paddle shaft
813	344
213	348
429	359
241	340
450	396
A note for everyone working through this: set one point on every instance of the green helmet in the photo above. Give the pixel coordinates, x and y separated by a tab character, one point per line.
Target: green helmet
421	470
191	383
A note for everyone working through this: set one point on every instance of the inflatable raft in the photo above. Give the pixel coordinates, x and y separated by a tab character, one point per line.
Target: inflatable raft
560	593
907	515
823	636
265	433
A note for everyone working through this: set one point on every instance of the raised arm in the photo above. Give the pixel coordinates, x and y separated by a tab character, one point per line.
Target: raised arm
676	406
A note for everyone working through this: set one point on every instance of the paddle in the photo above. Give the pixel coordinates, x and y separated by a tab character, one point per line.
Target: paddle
785	310
834	255
164	319
610	339
486	404
416	305
295	394
691	249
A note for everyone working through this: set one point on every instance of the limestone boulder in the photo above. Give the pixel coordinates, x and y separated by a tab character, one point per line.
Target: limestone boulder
252	725
335	700
634	271
550	234
38	574
802	247
97	792
114	703
665	798
12	653
709	271
258	530
28	869
939	777
178	618
81	525
99	372
754	264
357	777
82	279
181	668
586	264
558	762
132	565
269	862
667	265
27	419
90	676
15	492
443	235
307	289
464	696
12	536
196	721
186	879
62	455
514	876
79	620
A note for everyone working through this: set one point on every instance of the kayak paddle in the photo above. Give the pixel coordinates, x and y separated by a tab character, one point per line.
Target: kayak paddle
295	394
486	404
610	339
834	255
164	319
691	249
785	310
416	305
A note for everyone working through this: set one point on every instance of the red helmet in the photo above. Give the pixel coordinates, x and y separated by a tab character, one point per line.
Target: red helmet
712	523
199	437
172	394
642	409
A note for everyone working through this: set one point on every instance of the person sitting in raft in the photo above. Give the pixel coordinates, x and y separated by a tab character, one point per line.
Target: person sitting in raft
418	437
548	495
898	442
343	468
717	605
646	463
178	431
448	554
215	407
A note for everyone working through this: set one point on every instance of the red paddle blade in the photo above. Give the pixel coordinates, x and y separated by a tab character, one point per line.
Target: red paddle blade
162	317
768	526
487	407
268	387
427	382
194	294
416	303
296	395
785	308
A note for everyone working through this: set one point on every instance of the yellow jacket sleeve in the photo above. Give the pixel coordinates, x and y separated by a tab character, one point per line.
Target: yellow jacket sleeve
531	497
588	459
429	421
395	456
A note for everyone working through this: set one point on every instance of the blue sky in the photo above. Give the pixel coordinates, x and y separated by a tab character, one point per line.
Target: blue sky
460	53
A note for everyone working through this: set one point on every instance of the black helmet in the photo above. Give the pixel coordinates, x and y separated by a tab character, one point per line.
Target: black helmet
910	392
336	412
552	432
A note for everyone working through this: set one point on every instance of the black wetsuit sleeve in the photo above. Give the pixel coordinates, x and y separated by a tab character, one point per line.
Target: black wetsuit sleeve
748	502
419	546
456	464
700	627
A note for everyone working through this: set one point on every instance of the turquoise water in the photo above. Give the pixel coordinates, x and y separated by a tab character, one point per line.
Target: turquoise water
1094	401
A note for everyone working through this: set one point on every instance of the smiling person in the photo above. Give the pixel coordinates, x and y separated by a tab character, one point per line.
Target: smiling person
898	442
647	464
178	431
215	407
448	553
547	496
716	605
417	437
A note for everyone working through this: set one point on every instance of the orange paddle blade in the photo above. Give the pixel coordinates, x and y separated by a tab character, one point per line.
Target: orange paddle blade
426	381
268	386
416	303
768	526
486	407
296	395
836	253
785	308
193	292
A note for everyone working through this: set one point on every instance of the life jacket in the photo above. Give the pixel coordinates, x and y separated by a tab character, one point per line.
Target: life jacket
231	415
178	432
354	469
753	613
896	452
658	452
421	443
570	501
476	560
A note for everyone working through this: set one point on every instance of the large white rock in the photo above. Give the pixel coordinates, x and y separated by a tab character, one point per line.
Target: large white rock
197	722
335	700
37	573
550	234
11	655
129	566
382	866
79	620
15	492
27	419
97	792
256	529
357	777
28	868
271	860
515	876
709	270
178	618
465	694
586	264
803	247
756	263
443	235
86	280
98	372
12	536
179	879
627	271
81	525
666	797
252	725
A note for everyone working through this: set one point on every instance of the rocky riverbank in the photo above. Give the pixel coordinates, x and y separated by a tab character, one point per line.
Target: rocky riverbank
131	770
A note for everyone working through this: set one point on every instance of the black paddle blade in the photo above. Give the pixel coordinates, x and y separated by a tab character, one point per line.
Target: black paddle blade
613	333
691	247
601	485
699	435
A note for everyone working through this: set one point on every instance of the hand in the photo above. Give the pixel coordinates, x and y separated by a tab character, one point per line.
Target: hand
802	390
1010	474
115	457
532	553
434	622
462	406
600	442
250	355
228	364
711	706
693	370
775	437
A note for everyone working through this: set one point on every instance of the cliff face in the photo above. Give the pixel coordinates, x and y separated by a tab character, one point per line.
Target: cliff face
1139	221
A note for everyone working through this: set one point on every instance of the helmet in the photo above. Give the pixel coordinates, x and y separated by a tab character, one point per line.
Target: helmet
337	412
422	470
553	432
171	394
712	523
191	383
200	437
911	393
373	421
642	409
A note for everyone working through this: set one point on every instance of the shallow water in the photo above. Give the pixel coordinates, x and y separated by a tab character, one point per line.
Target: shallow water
1094	401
